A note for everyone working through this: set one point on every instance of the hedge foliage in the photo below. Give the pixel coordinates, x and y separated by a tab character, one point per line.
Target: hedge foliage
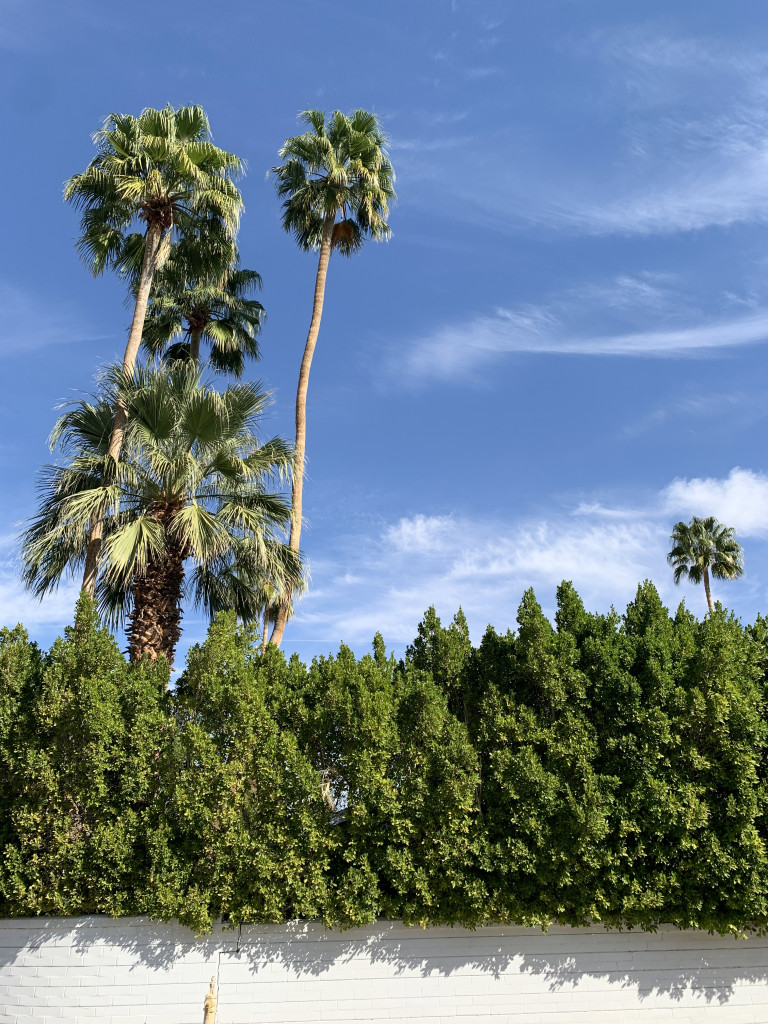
604	768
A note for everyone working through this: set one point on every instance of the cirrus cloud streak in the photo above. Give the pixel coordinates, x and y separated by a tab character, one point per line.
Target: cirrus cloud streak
453	351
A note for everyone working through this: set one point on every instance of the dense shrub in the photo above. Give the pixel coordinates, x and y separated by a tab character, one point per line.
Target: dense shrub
603	767
81	736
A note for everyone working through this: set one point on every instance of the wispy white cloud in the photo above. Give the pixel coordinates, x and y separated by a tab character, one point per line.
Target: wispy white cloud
420	534
706	192
740	500
668	178
646	291
682	144
482	565
425	145
18	605
693	149
385	581
460	350
646	314
46	618
445	117
738	406
660	69
56	611
597	510
485	564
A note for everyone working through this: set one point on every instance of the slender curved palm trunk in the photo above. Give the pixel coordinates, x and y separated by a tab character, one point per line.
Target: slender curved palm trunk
297	483
707	591
152	247
155	621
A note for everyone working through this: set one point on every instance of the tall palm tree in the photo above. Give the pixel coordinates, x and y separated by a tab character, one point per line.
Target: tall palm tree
191	488
336	184
705	546
159	169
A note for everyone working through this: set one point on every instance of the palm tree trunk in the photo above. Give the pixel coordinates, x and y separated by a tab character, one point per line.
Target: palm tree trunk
266	629
707	591
297	483
155	620
149	264
194	344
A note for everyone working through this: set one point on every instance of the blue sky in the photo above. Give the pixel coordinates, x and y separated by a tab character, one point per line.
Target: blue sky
562	349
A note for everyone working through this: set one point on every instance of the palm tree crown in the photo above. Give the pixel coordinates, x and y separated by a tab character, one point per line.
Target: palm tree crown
191	485
159	168
186	310
705	546
336	168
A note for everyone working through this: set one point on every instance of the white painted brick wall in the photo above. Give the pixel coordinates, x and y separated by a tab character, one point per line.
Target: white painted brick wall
133	971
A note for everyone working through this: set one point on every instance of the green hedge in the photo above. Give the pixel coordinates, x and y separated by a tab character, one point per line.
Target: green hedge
607	768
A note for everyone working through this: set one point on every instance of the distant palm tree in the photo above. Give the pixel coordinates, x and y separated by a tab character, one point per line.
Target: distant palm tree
702	546
250	583
159	169
191	488
336	185
275	593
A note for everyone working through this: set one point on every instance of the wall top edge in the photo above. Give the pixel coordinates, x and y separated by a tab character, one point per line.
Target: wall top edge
315	931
